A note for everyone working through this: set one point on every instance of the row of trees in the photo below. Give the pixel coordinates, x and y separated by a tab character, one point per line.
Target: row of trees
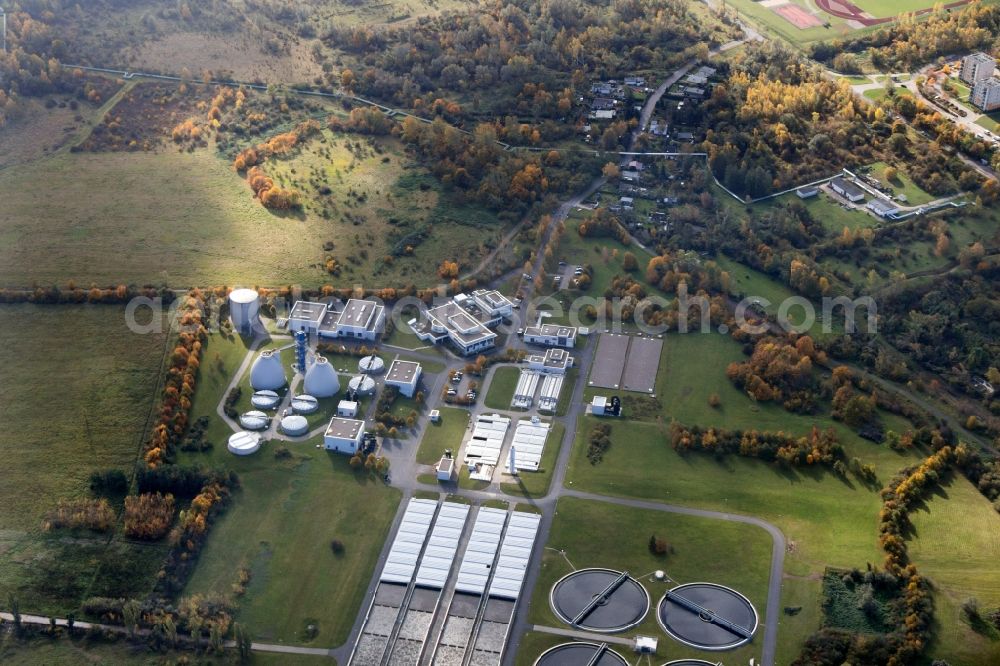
819	447
180	383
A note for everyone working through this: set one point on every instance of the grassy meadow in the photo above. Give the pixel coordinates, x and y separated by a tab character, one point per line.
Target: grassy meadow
69	408
828	521
186	218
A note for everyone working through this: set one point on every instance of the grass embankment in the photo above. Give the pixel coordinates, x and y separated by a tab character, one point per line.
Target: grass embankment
502	387
446	434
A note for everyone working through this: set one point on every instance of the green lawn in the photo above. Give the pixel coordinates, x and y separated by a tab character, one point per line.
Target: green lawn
903	185
273	526
536	484
502	386
581	529
828	521
280	526
81	650
956	543
446	434
990	121
76	390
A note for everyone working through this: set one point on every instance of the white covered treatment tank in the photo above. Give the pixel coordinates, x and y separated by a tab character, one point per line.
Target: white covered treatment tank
267	371
321	379
244	310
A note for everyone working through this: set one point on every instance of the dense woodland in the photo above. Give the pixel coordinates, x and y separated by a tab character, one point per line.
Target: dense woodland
912	41
518	57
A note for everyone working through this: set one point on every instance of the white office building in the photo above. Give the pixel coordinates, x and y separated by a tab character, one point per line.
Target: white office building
344	435
551	335
465	321
404	375
359	319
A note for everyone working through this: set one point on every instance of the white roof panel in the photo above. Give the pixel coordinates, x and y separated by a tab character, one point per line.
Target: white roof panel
515	554
440	552
401	561
474	572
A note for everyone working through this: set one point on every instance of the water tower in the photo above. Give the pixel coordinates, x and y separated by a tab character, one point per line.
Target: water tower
244	310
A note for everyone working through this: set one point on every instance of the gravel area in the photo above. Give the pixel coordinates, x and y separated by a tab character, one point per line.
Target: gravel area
491	636
369	651
457	631
449	656
405	652
381	620
415	625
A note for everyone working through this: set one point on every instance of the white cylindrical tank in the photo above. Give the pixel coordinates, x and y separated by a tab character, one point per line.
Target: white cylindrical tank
321	379
371	364
362	385
244	310
304	404
254	420
267	371
243	443
294	425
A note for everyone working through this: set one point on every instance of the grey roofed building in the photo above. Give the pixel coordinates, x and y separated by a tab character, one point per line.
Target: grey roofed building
554	360
404	375
684	136
847	189
306	316
695	80
882	208
602	104
602	114
551	335
807	192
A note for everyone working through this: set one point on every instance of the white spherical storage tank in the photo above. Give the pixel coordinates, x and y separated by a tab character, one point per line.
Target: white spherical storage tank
294	425
243	443
321	379
267	371
244	310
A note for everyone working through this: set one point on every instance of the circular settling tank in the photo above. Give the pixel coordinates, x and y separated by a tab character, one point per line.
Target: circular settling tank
304	404
372	365
362	385
707	616
265	399
294	425
243	443
575	654
601	600
254	420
